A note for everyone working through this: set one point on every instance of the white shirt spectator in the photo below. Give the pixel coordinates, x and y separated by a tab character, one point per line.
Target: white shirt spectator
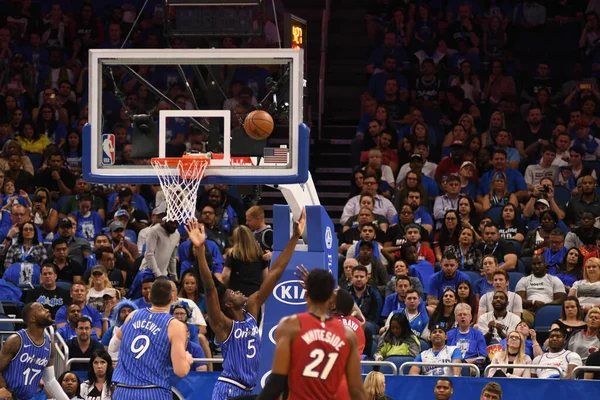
582	344
515	303
351	253
445	355
386	174
561	359
382	206
535	173
510	320
588	293
443	204
540	289
427	170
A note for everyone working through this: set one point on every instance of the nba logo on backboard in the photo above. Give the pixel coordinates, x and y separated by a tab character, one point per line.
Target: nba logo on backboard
108	149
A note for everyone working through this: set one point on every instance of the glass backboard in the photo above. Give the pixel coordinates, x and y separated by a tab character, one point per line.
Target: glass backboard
164	103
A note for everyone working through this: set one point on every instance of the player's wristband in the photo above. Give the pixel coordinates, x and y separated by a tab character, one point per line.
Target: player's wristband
274	387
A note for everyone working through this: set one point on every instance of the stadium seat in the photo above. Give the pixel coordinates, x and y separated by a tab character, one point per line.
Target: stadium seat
36	160
595	165
11	307
473	276
562	195
64	284
6	329
62	200
545	316
520	267
514	277
494	213
425	345
516	245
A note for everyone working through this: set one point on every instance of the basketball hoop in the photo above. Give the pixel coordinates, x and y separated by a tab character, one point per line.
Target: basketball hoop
180	179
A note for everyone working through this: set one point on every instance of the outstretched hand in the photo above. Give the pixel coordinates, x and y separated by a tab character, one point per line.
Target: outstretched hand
300	224
301	273
195	231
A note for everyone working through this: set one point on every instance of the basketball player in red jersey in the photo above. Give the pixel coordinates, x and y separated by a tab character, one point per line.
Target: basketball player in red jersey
344	305
314	352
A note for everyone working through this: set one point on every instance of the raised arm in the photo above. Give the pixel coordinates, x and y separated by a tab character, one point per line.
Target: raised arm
49	378
219	322
256	300
181	359
9	350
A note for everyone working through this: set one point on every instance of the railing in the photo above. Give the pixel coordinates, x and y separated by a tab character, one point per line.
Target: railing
523	366
324	42
439	365
76	360
61	355
578	370
87	360
382	364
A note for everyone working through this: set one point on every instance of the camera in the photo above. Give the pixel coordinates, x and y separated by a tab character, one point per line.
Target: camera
38	200
545	189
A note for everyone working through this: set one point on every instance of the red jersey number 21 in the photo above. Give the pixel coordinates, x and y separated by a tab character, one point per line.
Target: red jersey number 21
318	357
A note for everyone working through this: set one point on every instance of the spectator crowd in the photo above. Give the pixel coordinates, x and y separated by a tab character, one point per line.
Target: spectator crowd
474	210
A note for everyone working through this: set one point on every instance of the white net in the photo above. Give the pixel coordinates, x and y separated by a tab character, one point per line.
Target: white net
180	180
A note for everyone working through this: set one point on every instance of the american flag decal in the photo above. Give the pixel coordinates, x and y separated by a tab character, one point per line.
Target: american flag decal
275	155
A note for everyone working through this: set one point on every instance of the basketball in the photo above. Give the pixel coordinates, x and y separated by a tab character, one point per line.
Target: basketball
259	125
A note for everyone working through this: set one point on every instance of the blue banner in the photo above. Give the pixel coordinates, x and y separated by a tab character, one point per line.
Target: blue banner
421	387
288	296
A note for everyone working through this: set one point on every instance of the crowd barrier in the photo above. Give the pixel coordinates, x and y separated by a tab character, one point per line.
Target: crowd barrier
421	387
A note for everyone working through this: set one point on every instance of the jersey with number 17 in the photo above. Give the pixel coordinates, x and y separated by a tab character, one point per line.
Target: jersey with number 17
24	372
145	354
318	358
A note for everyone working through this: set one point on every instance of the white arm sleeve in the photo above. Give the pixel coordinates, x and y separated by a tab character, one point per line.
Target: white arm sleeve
113	347
52	384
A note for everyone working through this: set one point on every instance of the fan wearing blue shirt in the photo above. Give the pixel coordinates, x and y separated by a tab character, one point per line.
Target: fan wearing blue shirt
469	341
69	330
78	296
395	302
144	301
89	222
415	313
448	277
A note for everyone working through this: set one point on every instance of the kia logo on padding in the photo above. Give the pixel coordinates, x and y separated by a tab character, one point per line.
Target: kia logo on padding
290	292
328	238
272	334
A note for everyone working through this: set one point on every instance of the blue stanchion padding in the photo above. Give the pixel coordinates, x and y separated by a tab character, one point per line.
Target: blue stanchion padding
288	295
198	386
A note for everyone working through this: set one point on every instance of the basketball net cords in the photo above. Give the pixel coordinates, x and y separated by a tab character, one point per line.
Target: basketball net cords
180	186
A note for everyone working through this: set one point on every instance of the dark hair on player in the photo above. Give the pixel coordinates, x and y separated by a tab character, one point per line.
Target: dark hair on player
319	285
344	302
25	311
160	294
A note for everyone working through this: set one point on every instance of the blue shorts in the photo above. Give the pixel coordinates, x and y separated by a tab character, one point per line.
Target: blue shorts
122	393
224	390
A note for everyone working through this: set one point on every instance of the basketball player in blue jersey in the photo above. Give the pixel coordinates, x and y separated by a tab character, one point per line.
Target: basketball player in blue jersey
26	357
153	346
232	316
